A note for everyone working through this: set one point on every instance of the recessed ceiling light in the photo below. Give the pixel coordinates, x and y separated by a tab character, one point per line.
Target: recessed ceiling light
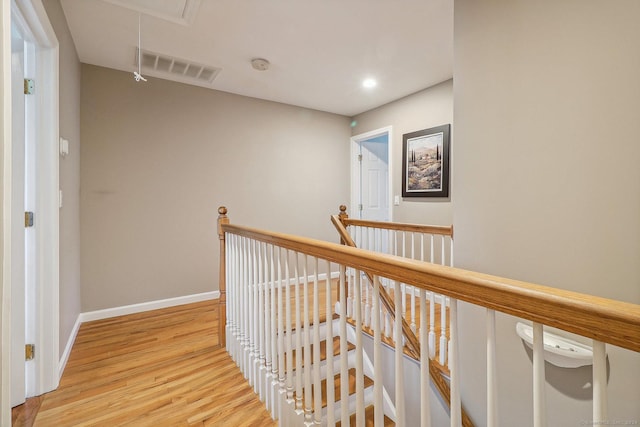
369	83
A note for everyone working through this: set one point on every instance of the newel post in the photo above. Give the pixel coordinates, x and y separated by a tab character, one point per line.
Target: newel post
343	216
222	282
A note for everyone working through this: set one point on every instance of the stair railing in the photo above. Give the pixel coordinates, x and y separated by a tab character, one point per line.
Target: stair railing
429	243
267	283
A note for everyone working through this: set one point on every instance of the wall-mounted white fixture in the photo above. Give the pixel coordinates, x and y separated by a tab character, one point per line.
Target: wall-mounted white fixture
64	147
559	351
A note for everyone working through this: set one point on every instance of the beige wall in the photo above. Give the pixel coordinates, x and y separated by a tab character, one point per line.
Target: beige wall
428	108
157	160
546	182
69	172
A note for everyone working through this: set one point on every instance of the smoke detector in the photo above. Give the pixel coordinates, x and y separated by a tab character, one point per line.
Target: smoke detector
260	64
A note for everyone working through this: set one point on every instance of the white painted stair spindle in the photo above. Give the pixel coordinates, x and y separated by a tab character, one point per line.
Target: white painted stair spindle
317	393
600	402
306	352
288	338
425	406
378	379
359	354
492	387
298	334
331	418
344	367
399	358
539	410
454	365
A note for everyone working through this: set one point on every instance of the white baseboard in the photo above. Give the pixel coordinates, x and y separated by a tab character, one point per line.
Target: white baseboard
127	309
67	349
147	306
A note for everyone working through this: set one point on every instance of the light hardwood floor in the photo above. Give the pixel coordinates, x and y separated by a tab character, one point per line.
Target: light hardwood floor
159	368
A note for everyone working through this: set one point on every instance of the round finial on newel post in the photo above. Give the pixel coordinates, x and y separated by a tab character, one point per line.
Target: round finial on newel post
222	219
343	212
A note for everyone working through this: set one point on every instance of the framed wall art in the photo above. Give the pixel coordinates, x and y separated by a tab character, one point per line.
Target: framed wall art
425	162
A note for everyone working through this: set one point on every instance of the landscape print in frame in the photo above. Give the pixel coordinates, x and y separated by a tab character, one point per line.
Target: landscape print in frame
425	162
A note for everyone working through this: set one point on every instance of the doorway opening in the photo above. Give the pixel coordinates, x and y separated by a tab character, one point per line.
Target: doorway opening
371	175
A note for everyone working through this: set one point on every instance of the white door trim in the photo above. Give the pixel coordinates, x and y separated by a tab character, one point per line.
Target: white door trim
355	176
31	15
5	215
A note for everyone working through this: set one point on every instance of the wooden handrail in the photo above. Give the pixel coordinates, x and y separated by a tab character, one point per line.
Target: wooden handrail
444	230
610	321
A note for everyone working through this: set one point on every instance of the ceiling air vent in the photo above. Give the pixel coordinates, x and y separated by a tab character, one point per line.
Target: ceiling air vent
165	66
179	11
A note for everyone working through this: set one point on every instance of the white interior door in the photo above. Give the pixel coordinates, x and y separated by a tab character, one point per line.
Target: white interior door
371	171
18	387
374	178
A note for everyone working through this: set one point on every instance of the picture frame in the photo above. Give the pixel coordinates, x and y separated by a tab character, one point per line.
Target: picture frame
425	162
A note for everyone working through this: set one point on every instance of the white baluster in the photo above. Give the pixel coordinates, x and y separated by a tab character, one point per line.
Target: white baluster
378	379
288	321
443	330
266	326
359	355
243	291
425	406
600	402
298	372
252	313
387	325
331	418
539	410
432	307
261	320
399	357
231	285
432	325
274	334
306	352
317	403
281	347
451	255
454	366
492	386
344	367
412	296
443	310
367	307
394	249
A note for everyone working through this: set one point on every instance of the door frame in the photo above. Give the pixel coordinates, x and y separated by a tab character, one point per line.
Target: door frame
356	140
31	17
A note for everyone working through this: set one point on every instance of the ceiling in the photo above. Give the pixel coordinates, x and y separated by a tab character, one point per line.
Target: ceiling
320	51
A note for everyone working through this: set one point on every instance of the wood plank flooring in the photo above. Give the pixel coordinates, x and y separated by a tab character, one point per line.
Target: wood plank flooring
159	368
